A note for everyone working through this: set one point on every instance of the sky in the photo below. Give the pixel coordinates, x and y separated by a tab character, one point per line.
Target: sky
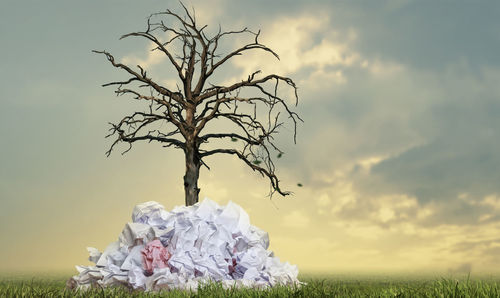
398	154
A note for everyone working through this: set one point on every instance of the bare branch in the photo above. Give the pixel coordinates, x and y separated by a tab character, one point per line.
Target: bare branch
238	52
160	46
210	92
233	136
264	172
128	128
141	77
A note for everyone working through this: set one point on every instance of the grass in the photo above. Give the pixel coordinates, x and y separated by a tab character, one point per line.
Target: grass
317	286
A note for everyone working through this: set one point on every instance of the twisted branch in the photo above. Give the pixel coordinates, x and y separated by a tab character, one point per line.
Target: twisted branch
199	53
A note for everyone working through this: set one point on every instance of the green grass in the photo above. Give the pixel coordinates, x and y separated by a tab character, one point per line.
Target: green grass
317	286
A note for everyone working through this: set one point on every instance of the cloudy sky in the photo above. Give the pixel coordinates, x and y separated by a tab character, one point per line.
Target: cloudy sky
398	153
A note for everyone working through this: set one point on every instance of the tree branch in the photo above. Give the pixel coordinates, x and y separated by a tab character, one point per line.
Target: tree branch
134	125
264	172
140	77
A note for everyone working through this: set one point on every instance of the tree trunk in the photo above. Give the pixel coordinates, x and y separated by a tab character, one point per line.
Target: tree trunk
193	163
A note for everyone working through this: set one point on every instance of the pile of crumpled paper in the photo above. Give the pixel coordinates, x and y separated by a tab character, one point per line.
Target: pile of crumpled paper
184	248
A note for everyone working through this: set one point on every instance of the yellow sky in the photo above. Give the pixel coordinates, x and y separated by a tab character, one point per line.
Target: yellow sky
397	155
304	229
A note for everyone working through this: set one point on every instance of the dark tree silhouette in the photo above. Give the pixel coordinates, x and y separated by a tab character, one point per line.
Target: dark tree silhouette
194	57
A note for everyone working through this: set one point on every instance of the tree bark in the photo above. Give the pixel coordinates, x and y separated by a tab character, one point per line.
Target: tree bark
193	163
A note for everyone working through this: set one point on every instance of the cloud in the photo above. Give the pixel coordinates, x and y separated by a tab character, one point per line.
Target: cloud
152	58
396	131
492	201
296	219
308	48
423	35
323	200
383	68
459	156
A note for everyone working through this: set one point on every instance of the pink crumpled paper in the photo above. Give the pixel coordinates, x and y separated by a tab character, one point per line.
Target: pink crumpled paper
154	255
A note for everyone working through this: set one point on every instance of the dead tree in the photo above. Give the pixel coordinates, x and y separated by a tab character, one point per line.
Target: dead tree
190	107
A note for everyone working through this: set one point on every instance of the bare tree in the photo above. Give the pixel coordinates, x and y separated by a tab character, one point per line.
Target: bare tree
191	107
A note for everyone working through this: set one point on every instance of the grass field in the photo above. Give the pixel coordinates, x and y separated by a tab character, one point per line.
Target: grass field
317	286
